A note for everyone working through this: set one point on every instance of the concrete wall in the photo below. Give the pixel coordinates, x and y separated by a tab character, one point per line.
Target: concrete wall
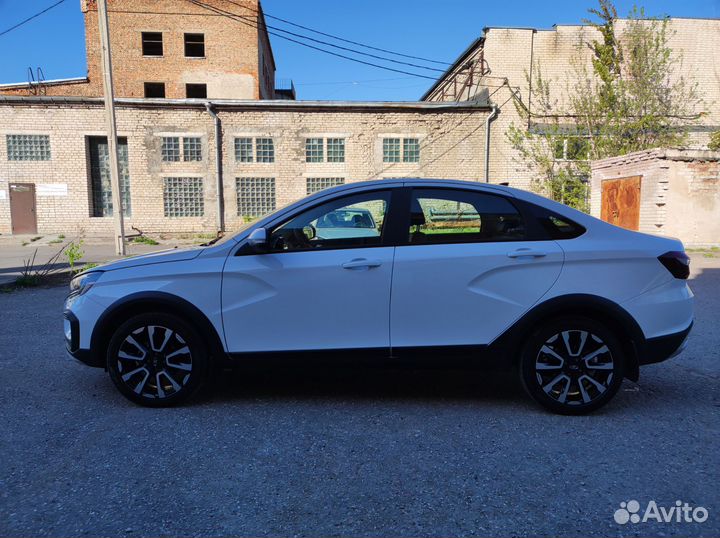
451	147
679	192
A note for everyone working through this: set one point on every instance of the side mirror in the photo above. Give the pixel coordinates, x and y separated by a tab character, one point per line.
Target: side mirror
258	239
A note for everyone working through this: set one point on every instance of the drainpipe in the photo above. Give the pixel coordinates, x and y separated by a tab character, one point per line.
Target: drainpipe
491	117
218	167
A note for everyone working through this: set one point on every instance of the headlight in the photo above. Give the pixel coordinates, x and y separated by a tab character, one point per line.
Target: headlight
83	282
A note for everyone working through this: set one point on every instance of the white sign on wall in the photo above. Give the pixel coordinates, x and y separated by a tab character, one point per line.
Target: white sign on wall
3	194
52	189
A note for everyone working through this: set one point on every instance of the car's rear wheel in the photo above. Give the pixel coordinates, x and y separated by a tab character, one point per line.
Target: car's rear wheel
157	359
572	366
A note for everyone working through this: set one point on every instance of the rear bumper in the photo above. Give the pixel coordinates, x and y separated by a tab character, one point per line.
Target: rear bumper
664	347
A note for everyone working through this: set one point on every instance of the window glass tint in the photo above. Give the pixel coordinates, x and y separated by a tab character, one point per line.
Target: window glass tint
454	216
351	221
556	226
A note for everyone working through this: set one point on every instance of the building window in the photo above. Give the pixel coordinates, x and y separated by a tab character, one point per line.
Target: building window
396	150
264	150
194	45
170	150
28	147
314	150
336	150
244	150
100	183
196	91
411	150
155	89
255	195
391	150
315	184
192	148
152	44
572	148
183	197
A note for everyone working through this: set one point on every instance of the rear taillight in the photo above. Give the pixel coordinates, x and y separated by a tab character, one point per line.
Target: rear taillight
677	262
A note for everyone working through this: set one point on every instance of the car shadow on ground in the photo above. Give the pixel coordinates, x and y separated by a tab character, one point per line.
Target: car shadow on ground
349	383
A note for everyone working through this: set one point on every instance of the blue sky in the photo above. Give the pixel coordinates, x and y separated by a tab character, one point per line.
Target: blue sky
438	29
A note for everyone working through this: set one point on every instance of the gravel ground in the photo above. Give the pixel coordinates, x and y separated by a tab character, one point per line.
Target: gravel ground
348	452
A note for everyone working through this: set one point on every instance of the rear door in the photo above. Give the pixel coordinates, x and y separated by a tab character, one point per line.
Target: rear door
467	270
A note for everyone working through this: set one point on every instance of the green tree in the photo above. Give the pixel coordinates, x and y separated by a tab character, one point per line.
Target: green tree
630	97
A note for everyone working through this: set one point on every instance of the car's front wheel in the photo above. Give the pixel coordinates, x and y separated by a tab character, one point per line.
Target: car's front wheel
572	366
157	359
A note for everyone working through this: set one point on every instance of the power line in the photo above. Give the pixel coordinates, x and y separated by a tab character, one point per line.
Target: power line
321	42
234	17
341	38
18	25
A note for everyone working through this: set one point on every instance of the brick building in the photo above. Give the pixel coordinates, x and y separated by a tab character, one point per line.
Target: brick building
174	49
656	191
53	157
496	66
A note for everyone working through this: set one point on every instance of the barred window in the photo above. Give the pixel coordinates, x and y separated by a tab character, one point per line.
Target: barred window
411	150
314	150
170	149
265	150
183	197
336	150
28	147
192	148
255	195
315	184
391	150
244	150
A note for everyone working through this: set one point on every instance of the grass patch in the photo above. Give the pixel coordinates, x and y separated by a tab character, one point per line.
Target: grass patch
143	240
25	243
27	281
55	242
36	238
61	236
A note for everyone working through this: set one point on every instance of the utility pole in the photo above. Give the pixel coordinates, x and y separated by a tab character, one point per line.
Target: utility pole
112	128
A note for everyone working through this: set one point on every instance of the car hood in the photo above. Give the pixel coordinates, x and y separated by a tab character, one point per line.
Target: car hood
164	256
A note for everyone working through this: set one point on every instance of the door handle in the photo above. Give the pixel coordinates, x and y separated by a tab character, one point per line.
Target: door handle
526	253
360	263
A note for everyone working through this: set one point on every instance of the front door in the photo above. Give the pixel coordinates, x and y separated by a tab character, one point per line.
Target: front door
322	283
467	272
22	208
620	204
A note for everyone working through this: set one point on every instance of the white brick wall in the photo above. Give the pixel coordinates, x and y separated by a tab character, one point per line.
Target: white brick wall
452	146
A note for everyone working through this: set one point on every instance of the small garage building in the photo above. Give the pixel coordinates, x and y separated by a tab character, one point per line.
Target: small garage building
671	192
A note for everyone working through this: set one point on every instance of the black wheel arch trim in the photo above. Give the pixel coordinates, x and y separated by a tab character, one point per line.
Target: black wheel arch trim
603	310
148	301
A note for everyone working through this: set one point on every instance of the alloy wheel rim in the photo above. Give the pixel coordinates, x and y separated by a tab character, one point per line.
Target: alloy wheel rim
154	361
574	367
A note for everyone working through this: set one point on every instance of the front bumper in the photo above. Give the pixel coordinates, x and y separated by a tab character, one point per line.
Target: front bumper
71	330
664	347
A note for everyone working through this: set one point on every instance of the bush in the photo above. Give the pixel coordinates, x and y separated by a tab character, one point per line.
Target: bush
714	143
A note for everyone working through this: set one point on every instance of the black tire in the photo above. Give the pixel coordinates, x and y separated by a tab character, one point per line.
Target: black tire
163	369
556	372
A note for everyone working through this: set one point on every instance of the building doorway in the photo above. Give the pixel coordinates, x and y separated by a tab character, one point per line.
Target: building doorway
23	214
621	202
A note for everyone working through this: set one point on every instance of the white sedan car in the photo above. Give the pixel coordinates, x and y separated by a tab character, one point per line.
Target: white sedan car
413	269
